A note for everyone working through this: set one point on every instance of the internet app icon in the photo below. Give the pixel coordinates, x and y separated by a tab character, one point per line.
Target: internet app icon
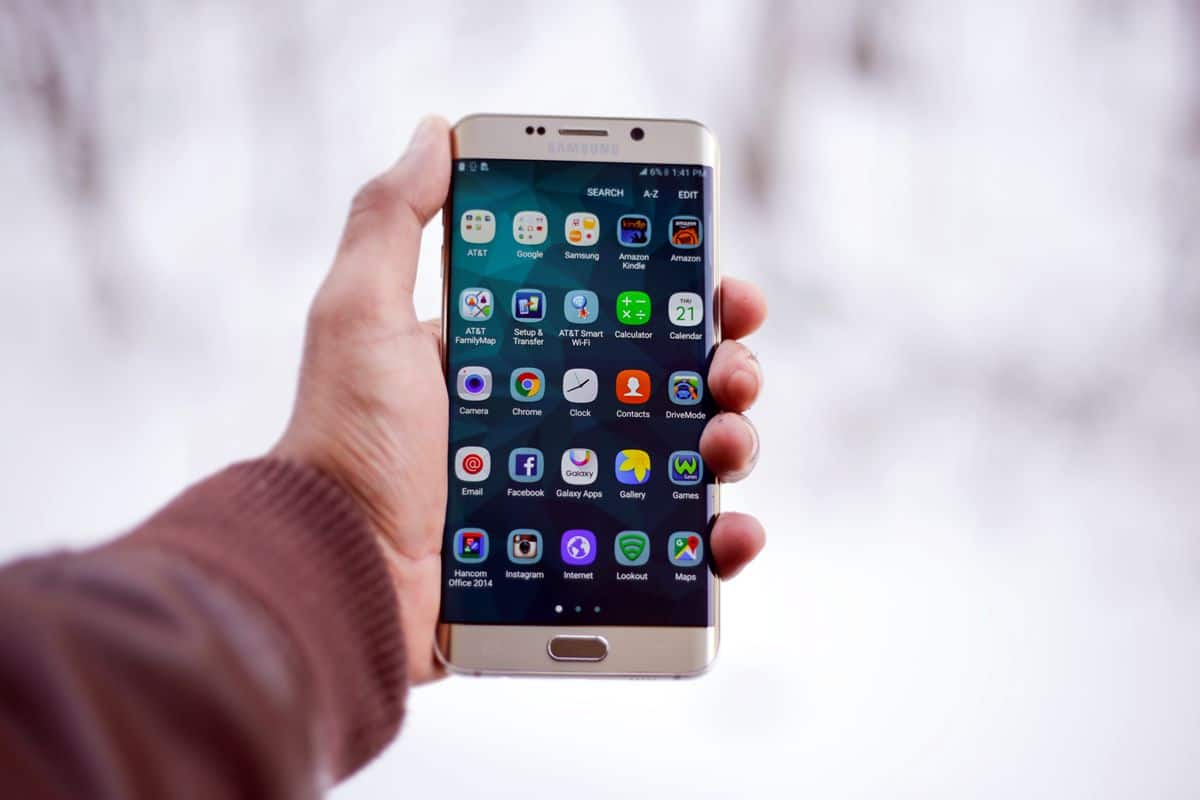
528	384
476	304
633	467
685	548
529	305
685	468
632	548
581	307
470	545
578	547
580	466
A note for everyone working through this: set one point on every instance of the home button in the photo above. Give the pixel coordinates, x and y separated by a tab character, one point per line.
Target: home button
578	648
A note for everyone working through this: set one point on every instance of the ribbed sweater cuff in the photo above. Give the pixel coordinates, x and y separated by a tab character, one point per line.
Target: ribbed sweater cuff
293	541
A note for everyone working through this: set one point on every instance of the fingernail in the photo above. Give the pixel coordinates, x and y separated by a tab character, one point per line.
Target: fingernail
754	451
423	132
752	369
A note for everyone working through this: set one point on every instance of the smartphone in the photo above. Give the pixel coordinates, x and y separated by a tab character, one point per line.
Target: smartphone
579	318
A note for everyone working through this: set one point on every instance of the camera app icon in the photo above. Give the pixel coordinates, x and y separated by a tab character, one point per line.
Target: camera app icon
525	546
474	383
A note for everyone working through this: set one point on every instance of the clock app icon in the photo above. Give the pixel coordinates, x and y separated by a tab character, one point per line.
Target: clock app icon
580	385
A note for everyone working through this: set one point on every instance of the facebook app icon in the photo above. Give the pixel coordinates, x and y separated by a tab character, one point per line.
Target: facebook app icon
525	465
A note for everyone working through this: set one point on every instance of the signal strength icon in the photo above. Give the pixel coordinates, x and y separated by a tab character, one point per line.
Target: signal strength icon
643	172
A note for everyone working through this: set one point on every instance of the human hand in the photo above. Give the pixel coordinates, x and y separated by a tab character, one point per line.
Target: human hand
371	410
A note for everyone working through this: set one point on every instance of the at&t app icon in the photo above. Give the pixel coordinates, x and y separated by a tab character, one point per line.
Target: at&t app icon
477	226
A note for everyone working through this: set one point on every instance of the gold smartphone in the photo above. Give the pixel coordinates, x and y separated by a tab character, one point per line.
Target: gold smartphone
579	317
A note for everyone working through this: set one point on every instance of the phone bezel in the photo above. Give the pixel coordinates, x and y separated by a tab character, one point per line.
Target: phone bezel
634	651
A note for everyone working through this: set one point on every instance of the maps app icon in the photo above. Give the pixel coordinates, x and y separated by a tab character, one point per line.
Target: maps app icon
685	548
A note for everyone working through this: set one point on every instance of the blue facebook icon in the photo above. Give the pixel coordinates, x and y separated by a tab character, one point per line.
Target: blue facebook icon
525	465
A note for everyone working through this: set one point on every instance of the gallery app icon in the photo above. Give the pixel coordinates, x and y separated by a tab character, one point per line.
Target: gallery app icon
633	467
470	545
632	548
477	226
633	308
472	464
685	388
582	229
580	385
529	227
580	466
685	309
581	307
524	546
685	468
529	305
633	230
474	383
685	548
578	547
475	304
633	386
527	384
526	465
686	232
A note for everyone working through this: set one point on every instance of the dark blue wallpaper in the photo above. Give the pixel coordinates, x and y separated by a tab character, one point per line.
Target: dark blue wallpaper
579	327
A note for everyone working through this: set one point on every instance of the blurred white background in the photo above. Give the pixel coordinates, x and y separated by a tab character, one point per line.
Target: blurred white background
978	223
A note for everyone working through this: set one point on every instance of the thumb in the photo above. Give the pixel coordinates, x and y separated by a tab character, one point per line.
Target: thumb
377	257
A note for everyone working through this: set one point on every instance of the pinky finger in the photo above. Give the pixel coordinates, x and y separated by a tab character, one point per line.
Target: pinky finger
736	539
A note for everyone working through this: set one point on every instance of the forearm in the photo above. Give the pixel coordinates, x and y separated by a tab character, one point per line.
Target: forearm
243	641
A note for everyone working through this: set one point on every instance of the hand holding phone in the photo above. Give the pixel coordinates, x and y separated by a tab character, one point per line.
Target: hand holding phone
372	405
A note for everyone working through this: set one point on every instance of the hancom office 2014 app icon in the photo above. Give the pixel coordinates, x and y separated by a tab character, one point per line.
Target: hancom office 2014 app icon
470	545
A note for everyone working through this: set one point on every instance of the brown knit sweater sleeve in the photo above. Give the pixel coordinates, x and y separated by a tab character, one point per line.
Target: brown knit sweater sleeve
243	642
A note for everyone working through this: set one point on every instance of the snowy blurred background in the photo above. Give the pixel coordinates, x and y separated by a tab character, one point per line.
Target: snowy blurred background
978	222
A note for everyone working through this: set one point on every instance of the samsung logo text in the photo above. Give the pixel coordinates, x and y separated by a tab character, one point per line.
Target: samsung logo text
584	148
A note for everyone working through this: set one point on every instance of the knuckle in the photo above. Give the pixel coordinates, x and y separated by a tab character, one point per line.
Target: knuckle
343	314
374	198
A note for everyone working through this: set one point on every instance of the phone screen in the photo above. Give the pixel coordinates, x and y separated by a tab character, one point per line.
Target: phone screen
579	326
